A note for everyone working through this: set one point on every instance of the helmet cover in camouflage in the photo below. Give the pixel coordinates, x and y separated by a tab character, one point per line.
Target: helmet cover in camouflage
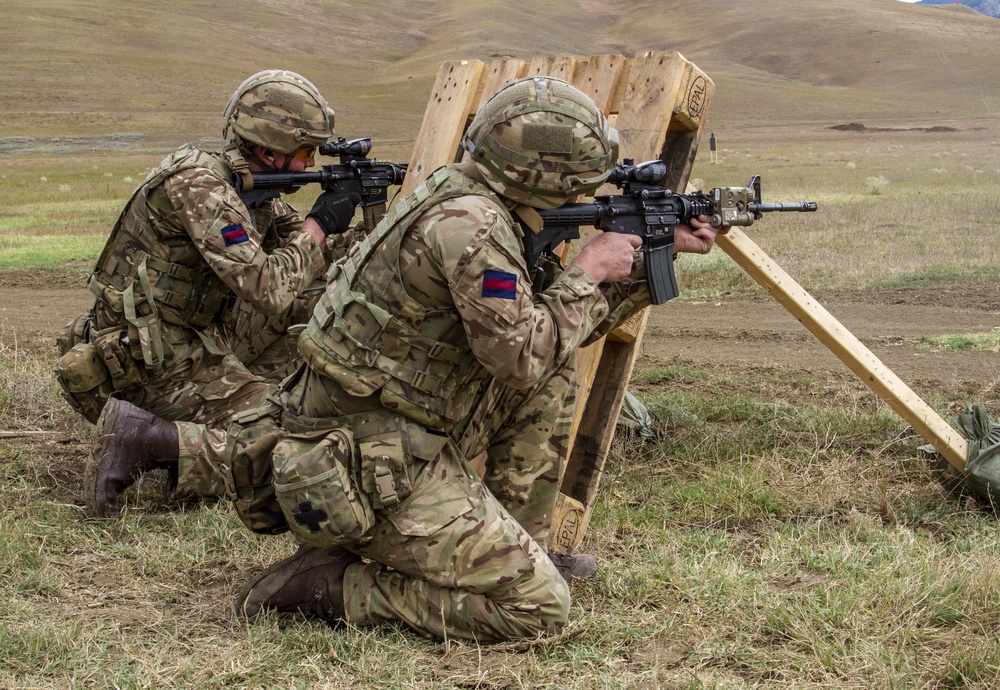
279	110
540	140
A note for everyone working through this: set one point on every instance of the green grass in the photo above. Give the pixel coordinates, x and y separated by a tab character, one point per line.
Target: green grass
989	342
49	251
782	534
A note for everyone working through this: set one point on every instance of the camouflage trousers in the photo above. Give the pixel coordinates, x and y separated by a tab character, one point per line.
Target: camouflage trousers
203	388
263	346
208	392
484	575
456	554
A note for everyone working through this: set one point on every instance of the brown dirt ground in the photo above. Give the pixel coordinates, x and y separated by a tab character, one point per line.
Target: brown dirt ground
749	335
759	336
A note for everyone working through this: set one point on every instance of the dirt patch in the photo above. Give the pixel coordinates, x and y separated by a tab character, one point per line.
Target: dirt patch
752	334
859	127
35	305
757	335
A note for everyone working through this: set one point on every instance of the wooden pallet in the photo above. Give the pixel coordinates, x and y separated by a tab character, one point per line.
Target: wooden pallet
658	102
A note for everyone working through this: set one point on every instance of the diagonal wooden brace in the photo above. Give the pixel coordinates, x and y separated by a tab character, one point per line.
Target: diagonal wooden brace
846	347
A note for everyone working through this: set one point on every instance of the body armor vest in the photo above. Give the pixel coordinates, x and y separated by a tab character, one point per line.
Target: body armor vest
365	332
140	278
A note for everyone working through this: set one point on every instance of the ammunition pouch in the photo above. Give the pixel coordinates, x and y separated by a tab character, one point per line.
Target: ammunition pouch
84	381
322	478
118	355
94	365
75	332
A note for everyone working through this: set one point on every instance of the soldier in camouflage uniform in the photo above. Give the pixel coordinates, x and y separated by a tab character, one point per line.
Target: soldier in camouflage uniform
194	292
431	345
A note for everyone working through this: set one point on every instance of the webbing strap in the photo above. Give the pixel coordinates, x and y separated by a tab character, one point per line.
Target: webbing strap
150	334
239	166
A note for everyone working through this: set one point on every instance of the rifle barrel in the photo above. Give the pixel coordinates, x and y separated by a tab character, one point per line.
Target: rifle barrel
801	206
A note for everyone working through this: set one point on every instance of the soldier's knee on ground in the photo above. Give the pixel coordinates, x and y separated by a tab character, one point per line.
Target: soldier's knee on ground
543	608
555	613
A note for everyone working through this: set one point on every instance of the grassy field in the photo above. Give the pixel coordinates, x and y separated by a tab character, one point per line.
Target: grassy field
784	533
897	208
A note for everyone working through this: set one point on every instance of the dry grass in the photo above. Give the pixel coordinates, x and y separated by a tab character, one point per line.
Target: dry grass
930	222
784	534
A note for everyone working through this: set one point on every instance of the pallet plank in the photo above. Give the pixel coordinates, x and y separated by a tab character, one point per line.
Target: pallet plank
599	79
445	120
658	103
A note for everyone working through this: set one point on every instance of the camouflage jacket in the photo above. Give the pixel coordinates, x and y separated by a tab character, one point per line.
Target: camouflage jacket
438	299
185	243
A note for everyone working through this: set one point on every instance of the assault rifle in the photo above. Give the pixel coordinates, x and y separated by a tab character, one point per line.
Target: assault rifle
355	173
651	211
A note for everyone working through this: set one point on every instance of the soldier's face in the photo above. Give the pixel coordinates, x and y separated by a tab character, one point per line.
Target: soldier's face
300	161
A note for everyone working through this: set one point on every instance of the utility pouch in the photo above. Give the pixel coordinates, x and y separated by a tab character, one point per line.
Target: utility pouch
250	442
84	380
75	332
315	480
117	358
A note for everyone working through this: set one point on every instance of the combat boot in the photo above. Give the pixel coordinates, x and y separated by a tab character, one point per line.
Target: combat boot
310	581
574	565
130	441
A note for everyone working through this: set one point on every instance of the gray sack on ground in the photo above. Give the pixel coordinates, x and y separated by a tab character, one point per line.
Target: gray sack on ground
982	467
635	416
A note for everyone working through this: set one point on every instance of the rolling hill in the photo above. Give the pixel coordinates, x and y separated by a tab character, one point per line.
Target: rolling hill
81	67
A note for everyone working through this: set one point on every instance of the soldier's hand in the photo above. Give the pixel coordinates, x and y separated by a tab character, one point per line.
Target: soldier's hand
608	257
696	237
334	210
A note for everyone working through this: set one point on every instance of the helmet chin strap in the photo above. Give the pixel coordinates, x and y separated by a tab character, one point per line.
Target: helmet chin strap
267	160
285	165
235	155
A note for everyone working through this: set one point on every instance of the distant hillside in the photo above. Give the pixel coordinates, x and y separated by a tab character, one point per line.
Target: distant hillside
166	70
991	8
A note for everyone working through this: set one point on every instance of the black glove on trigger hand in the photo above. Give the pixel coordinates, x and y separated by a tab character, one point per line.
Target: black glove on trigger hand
334	211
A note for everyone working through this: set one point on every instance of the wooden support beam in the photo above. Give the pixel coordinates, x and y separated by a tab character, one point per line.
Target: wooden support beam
848	349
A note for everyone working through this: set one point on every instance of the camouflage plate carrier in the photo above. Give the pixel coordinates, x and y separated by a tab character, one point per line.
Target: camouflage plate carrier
138	281
367	347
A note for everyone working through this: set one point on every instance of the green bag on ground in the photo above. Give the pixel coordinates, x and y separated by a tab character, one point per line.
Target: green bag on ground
982	467
636	417
983	463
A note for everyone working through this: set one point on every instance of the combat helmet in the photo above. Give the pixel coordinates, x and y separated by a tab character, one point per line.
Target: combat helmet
279	110
540	140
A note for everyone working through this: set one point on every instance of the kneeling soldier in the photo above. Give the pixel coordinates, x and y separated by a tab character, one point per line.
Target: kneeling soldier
431	345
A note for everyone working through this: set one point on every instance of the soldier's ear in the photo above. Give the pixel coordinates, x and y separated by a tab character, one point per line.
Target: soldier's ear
264	153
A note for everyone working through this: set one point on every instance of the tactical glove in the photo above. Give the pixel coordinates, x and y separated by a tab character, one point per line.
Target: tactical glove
334	210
